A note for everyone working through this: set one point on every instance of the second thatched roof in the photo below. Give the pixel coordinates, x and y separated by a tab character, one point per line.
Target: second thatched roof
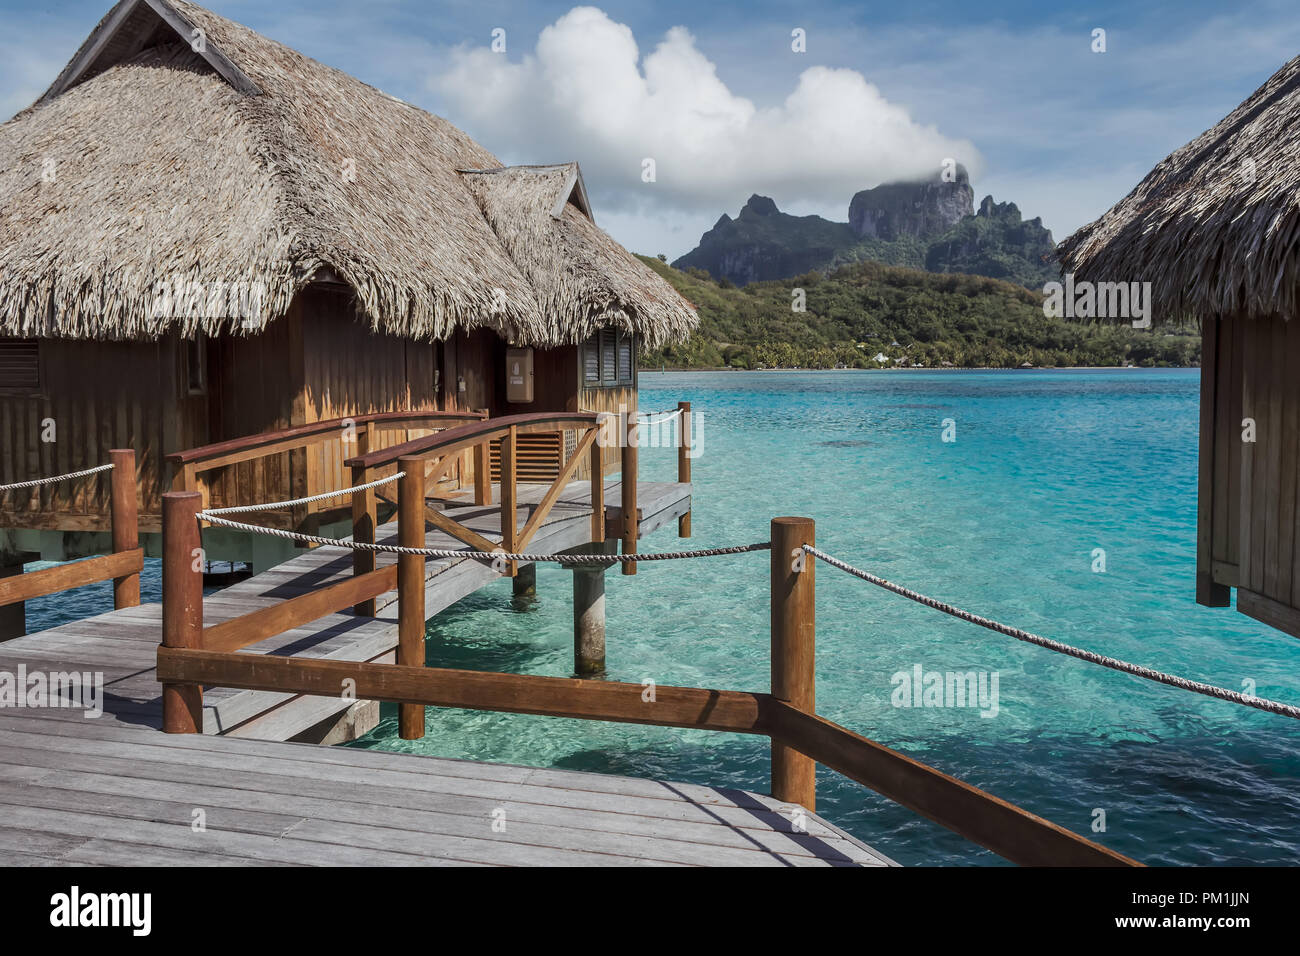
182	151
1215	227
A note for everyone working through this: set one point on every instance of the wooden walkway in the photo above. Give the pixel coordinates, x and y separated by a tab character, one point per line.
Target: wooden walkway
116	790
77	791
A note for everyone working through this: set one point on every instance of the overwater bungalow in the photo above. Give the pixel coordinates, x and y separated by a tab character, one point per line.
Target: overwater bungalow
1215	229
254	288
208	236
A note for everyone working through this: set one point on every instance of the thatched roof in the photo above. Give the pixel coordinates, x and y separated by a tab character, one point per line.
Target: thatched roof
583	279
154	181
1215	227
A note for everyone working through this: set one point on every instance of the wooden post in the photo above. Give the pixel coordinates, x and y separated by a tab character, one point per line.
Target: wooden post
182	604
482	474
628	485
126	530
410	586
509	498
365	517
793	651
598	487
588	619
684	461
13	617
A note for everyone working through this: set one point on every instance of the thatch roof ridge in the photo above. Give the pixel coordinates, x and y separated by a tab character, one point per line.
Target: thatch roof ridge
1215	226
315	171
584	280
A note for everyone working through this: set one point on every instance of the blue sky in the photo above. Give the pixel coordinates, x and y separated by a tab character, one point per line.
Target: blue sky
715	94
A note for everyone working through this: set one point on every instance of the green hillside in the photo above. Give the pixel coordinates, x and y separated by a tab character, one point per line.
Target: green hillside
860	311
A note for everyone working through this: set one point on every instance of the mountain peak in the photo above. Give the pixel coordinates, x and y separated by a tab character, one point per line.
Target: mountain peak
760	206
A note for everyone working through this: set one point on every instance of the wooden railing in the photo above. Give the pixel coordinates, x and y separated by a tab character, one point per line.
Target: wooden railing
193	656
432	455
123	565
192	466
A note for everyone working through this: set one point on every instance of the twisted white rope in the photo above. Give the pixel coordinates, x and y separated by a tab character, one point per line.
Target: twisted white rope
273	505
482	555
1209	690
49	481
667	416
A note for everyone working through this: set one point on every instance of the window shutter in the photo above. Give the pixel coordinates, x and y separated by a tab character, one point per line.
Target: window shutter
20	365
625	359
608	372
591	362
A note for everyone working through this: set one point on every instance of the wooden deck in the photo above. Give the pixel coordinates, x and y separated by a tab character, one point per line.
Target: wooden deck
116	790
104	792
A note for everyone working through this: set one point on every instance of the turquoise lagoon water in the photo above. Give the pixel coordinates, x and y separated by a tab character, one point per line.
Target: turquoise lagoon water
1046	467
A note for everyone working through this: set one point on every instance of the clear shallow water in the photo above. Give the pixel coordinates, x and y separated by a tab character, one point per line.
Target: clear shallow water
1047	466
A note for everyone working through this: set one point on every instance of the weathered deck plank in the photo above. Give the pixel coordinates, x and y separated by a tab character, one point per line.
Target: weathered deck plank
89	791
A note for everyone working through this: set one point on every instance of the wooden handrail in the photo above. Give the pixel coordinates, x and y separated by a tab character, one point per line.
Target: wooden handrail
123	564
227	452
1009	831
64	577
467	436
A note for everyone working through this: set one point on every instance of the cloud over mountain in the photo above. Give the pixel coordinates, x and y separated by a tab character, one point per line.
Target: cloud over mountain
585	92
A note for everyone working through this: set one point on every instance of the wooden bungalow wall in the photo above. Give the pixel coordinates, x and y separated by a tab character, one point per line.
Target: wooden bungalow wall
1248	521
318	362
1268	577
100	395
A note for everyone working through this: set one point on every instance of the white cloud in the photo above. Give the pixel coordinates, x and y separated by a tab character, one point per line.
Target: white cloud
586	93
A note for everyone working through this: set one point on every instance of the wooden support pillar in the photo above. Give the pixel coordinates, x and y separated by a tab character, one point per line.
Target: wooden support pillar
588	619
598	488
627	482
684	461
483	473
365	517
410	586
126	528
525	583
509	498
13	617
793	651
182	605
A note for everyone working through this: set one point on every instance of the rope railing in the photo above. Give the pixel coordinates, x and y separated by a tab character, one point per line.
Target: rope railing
1136	670
664	417
213	517
35	482
324	496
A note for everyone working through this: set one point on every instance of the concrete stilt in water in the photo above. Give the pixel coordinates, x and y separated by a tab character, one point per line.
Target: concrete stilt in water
589	619
525	582
589	610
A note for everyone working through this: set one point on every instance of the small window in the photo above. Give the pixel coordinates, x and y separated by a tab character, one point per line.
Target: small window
196	362
20	365
609	359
